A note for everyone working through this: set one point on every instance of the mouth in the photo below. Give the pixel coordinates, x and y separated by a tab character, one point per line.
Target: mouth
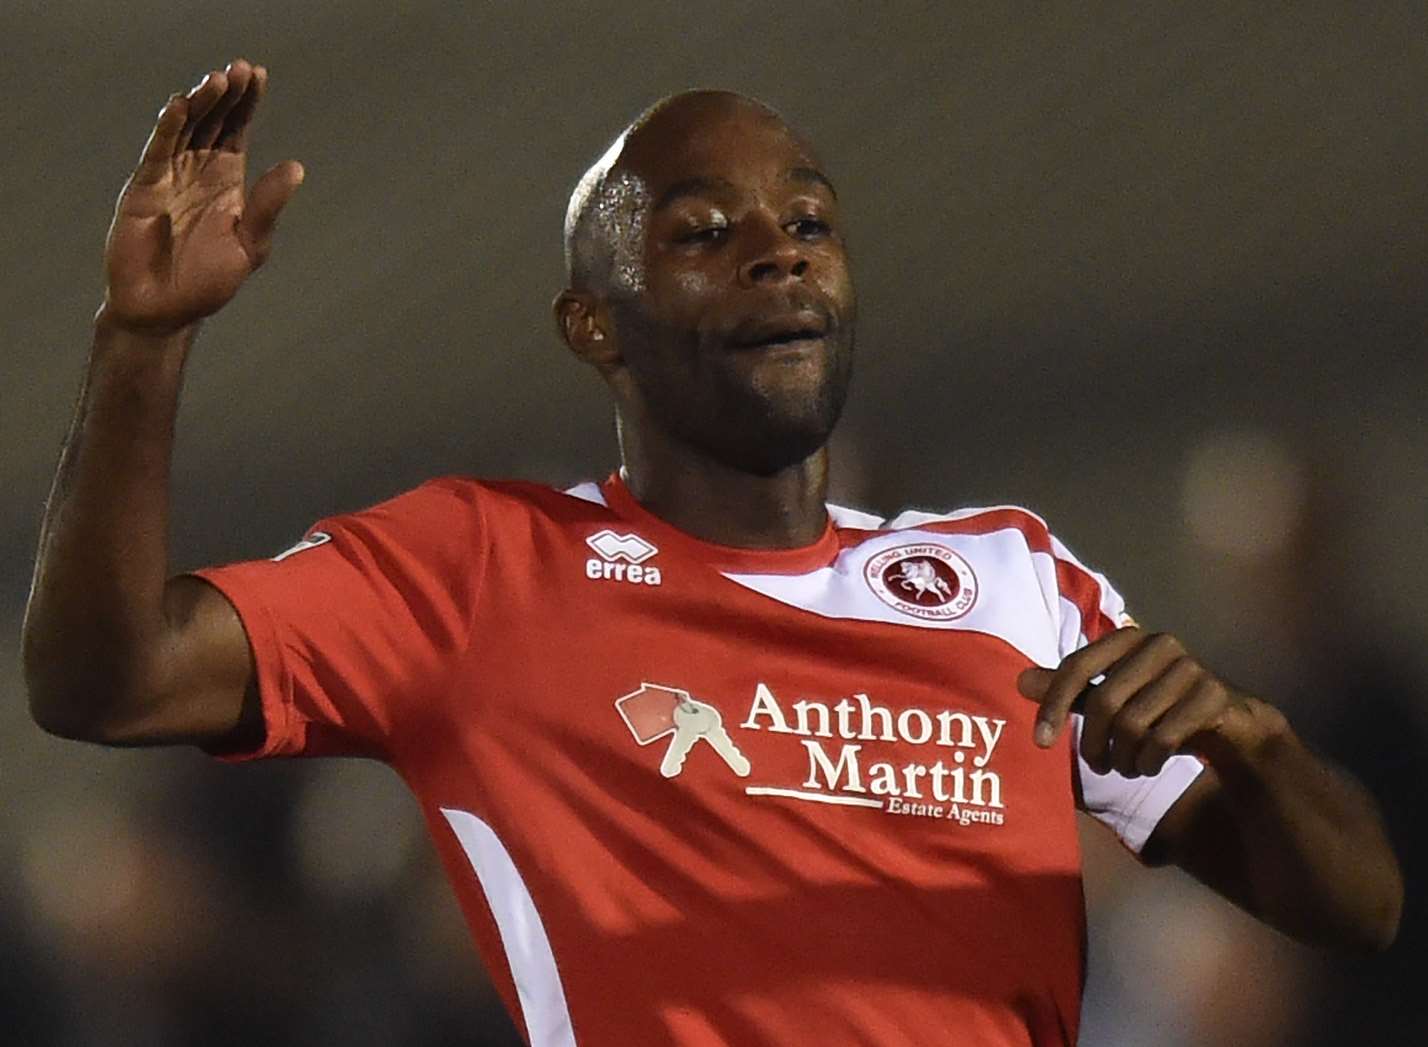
799	331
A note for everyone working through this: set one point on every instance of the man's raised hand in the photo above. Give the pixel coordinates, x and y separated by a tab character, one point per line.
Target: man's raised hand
185	233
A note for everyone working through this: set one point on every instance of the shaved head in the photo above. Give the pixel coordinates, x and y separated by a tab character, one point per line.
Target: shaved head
709	284
605	217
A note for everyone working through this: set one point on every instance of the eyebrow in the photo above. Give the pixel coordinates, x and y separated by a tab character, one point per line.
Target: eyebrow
812	176
698	186
703	184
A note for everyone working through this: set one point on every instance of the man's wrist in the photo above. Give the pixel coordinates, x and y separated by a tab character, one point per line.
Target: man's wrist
111	330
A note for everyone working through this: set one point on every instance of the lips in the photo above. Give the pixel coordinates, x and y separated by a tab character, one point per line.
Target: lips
769	332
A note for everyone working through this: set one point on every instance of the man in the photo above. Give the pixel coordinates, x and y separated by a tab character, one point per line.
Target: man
707	760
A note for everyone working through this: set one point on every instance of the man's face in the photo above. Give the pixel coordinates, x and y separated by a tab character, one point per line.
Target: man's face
736	326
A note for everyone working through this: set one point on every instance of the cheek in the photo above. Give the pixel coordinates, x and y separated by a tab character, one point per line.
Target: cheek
836	281
693	285
685	297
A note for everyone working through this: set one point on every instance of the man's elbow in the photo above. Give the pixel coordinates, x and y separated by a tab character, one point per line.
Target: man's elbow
1368	924
1381	926
71	701
65	714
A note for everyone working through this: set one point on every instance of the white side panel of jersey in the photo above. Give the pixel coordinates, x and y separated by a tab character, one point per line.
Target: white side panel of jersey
528	950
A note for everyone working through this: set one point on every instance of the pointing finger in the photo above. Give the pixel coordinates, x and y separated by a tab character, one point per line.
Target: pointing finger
1058	694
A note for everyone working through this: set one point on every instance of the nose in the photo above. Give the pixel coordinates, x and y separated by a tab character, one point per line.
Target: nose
774	256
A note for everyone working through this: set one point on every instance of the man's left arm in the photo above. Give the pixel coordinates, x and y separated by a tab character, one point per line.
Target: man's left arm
1268	824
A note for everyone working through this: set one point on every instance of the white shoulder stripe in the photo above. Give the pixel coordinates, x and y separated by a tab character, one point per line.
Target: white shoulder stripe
919	518
842	516
589	491
528	951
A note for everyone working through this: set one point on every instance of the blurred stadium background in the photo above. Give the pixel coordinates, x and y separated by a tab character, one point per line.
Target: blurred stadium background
1156	270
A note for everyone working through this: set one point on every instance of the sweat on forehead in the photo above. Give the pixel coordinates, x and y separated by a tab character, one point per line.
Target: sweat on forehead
604	220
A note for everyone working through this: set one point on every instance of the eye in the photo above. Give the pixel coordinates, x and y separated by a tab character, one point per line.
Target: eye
808	228
707	234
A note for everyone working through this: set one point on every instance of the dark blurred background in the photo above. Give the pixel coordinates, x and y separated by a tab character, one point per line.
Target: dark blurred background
1156	270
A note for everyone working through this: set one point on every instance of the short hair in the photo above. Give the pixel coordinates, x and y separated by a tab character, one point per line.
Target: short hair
592	218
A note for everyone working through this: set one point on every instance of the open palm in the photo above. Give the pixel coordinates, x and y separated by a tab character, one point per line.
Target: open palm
185	233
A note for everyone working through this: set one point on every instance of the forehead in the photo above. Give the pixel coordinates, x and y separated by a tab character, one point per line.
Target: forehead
735	142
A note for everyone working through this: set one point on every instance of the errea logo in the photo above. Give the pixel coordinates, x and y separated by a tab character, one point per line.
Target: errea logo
621	558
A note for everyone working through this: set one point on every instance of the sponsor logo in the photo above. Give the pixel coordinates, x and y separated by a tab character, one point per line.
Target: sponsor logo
924	580
928	763
848	763
312	541
621	558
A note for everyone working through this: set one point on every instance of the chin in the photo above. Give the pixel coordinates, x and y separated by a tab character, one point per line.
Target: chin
768	437
772	457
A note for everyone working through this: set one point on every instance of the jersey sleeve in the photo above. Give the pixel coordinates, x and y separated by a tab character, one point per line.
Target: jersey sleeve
355	629
1088	607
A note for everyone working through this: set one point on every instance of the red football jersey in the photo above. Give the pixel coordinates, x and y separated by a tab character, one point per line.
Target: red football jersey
690	794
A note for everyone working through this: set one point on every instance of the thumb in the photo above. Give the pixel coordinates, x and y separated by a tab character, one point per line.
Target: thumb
1035	683
269	195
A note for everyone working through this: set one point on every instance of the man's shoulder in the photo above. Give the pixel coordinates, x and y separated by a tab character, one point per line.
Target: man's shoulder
463	509
481	494
972	520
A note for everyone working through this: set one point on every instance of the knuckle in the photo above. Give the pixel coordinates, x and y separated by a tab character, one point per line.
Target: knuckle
1211	691
1097	713
1163	740
1131	724
1184	669
1164	643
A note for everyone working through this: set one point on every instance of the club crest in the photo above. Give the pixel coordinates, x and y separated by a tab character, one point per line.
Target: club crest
924	580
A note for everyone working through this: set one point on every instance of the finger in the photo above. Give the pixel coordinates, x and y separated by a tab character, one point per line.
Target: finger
1138	669
269	195
1201	710
1072	677
206	132
1130	730
201	98
234	136
158	151
1034	681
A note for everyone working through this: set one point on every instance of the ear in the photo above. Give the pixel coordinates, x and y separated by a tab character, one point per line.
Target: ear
584	327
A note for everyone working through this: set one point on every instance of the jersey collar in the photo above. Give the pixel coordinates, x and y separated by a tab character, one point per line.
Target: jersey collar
727	559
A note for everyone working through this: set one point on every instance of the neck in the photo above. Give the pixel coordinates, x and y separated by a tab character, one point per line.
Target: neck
716	503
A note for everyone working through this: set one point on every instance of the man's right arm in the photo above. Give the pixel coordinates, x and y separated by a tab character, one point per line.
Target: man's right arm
114	650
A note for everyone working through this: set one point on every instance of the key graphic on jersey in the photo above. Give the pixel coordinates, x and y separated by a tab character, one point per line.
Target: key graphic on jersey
649	712
694	720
